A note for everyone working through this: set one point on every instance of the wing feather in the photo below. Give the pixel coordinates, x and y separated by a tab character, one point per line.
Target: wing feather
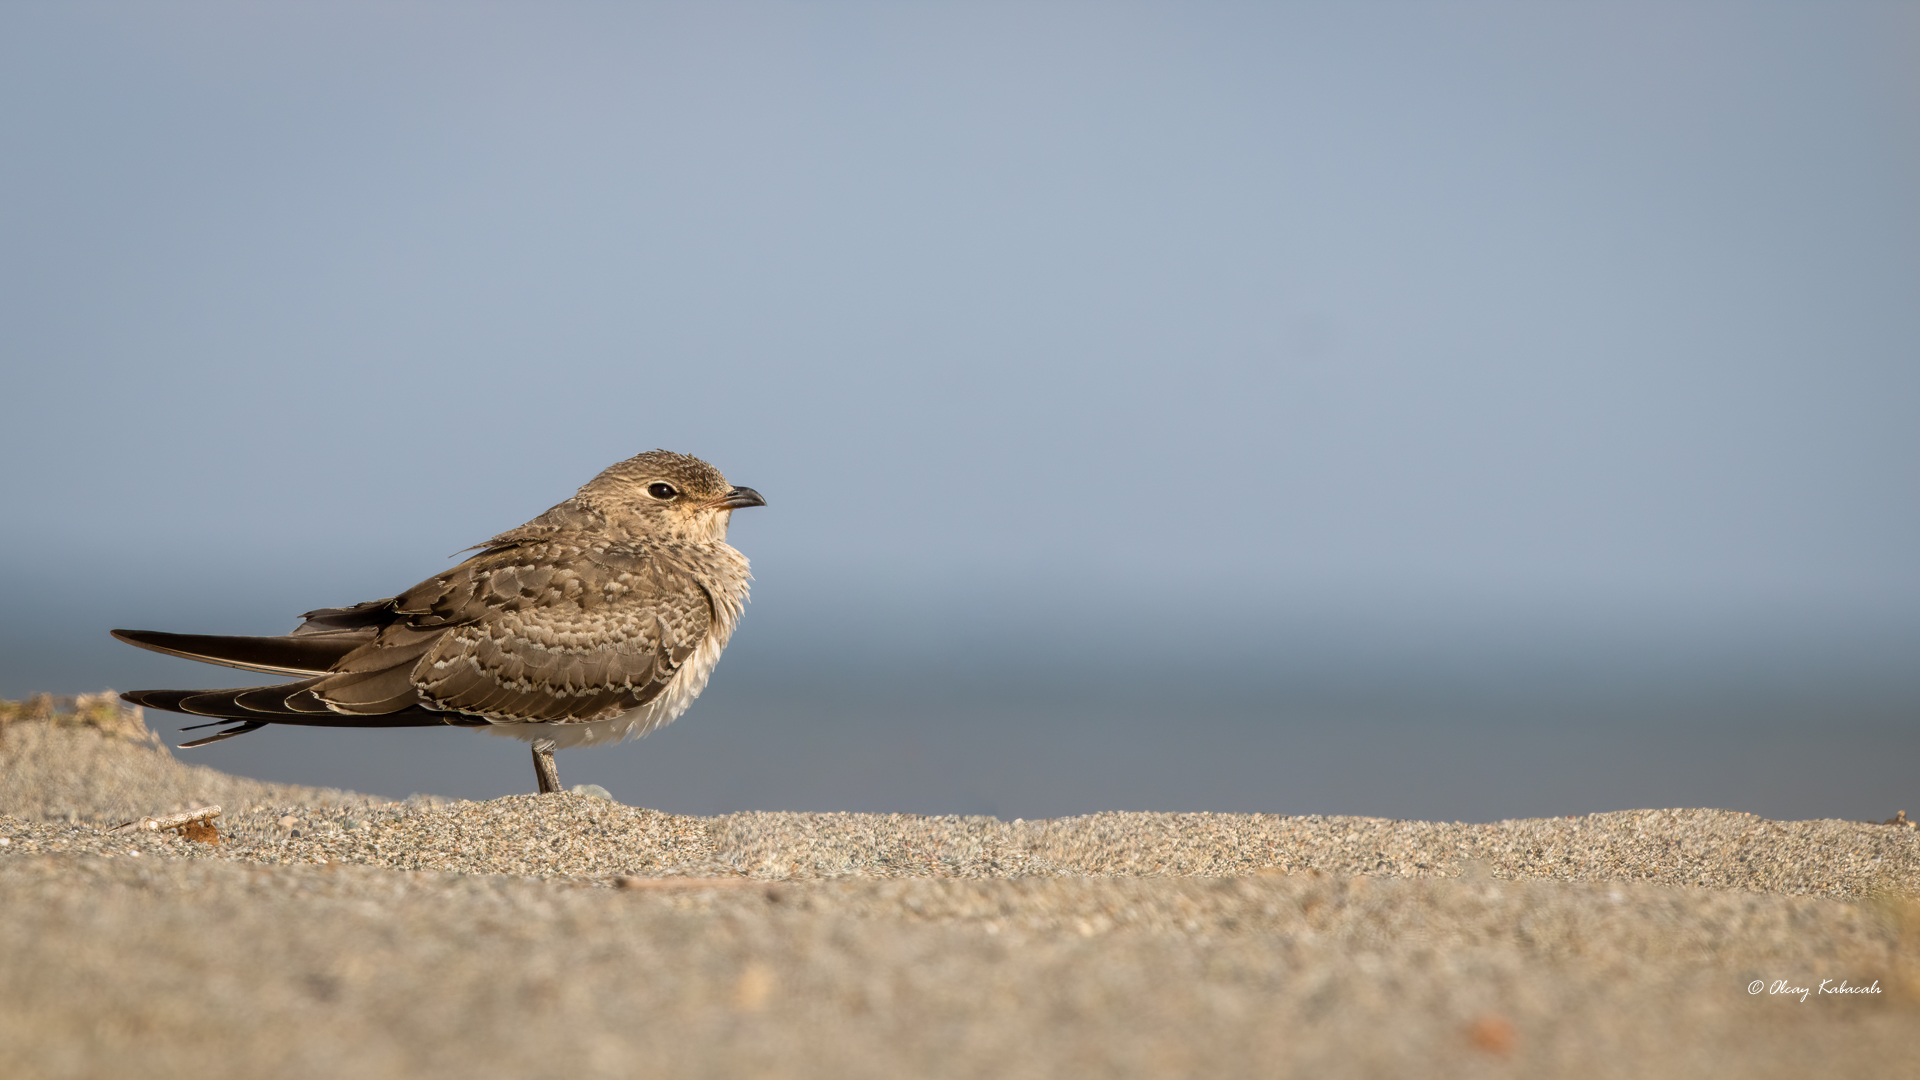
575	643
534	631
292	654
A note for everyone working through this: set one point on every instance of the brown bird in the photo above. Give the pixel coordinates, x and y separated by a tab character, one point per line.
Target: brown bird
598	621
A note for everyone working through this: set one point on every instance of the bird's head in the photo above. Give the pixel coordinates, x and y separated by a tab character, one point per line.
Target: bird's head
671	495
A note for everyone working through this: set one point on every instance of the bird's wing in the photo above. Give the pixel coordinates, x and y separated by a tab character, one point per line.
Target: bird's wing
544	632
298	653
254	707
321	641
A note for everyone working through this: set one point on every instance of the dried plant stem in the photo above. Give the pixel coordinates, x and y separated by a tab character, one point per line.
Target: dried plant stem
170	821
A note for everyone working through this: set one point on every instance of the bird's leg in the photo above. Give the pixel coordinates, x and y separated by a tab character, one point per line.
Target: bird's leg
543	766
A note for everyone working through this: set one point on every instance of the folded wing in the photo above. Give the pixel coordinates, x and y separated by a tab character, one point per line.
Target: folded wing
525	633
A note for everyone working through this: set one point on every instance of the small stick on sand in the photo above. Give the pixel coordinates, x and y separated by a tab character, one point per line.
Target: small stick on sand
183	820
662	884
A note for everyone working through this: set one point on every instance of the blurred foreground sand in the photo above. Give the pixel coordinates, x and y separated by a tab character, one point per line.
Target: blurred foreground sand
334	934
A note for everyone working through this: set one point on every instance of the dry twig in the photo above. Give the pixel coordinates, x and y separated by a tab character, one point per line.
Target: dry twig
194	824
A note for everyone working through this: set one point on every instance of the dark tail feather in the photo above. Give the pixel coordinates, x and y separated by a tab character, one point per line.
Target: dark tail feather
254	707
160	699
293	654
248	703
242	729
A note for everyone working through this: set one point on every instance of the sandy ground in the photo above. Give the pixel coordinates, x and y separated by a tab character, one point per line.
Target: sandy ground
333	934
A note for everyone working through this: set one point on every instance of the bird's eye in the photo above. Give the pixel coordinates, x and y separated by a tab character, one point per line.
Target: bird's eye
661	491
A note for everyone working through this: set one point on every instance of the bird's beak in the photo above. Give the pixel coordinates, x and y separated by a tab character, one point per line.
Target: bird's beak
739	497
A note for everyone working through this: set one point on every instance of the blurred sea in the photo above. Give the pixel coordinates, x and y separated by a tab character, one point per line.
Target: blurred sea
1464	730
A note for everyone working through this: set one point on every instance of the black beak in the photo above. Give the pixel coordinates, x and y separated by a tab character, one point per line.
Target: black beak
741	496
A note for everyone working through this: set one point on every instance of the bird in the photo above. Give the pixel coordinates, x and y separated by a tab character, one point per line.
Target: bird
596	622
